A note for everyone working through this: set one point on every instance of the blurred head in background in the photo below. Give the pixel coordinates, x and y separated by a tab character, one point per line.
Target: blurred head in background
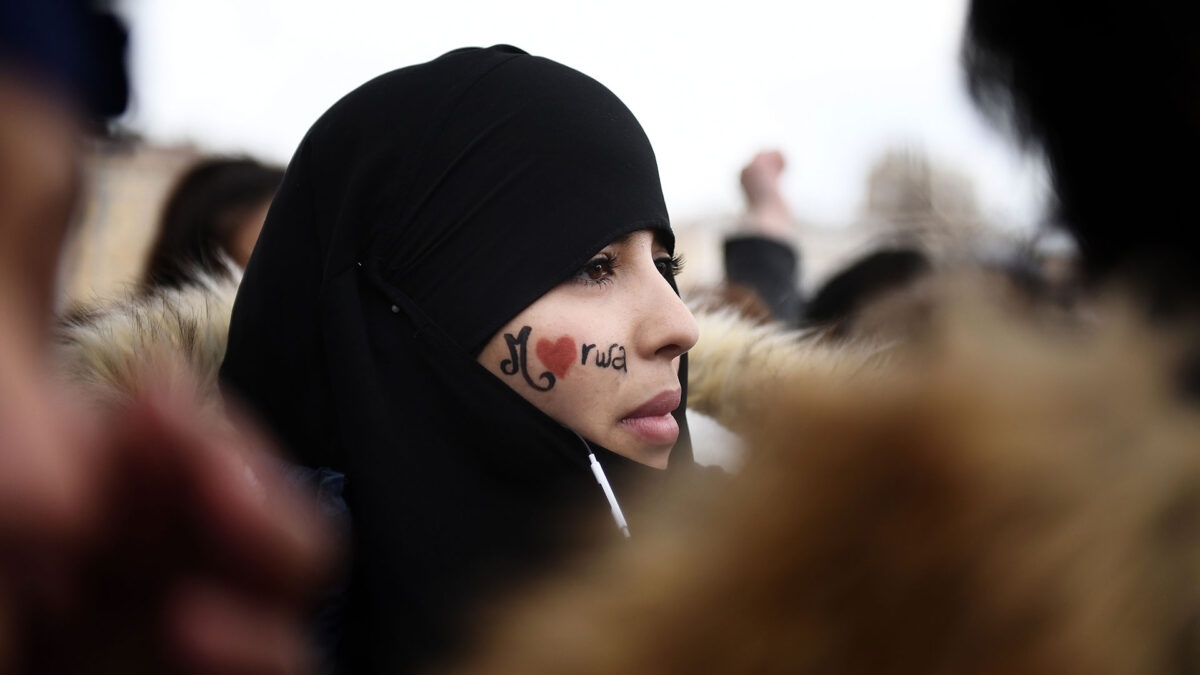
212	217
1110	94
838	302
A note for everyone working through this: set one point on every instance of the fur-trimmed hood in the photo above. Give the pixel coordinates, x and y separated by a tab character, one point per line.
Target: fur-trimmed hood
109	348
174	337
737	361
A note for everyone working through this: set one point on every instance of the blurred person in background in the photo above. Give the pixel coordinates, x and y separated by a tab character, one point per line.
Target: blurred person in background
913	243
212	218
873	277
153	540
1119	127
762	264
761	256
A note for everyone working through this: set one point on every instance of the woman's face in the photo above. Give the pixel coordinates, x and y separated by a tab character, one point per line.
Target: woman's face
245	234
600	352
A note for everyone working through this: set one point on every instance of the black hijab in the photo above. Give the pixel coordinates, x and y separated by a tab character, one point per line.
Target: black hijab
422	212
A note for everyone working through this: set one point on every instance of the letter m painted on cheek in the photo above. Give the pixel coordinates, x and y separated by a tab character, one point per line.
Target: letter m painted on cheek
518	360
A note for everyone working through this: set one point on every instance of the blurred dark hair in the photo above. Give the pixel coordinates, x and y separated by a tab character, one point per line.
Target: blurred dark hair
75	46
201	218
1109	92
862	282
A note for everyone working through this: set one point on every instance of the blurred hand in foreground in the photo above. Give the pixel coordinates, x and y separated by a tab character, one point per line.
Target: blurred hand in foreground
154	542
153	539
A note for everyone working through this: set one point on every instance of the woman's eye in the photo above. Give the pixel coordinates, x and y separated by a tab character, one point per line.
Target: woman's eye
669	267
597	270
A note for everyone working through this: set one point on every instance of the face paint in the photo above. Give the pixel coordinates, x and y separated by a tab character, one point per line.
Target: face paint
557	356
518	360
614	358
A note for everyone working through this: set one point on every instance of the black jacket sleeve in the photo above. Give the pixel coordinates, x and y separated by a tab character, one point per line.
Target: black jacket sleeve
770	268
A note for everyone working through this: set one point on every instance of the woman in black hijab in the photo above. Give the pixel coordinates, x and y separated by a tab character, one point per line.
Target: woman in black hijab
463	289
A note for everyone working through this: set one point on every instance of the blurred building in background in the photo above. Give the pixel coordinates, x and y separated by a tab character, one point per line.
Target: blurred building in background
126	182
910	197
907	199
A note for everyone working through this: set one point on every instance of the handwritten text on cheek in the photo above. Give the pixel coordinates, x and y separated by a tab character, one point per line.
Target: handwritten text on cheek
557	356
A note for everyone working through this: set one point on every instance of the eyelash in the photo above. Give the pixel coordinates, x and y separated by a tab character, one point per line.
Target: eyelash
609	261
668	267
674	266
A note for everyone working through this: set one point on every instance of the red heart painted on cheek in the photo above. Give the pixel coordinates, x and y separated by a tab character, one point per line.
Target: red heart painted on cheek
558	355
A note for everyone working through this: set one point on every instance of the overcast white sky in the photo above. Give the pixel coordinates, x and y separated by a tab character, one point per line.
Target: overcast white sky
831	82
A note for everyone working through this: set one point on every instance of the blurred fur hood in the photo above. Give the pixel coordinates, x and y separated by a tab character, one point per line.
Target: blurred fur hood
108	348
738	362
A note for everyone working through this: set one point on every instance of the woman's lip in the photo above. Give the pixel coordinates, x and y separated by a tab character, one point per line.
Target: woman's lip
656	430
663	404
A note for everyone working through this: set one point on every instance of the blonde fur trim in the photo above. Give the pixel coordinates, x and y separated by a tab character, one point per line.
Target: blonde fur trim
111	347
174	337
737	362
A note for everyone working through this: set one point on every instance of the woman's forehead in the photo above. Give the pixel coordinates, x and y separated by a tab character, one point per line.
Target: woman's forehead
658	239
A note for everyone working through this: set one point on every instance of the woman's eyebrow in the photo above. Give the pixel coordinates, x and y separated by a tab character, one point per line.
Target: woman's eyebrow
658	238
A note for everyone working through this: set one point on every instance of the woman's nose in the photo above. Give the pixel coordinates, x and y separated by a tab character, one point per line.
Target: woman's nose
668	328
